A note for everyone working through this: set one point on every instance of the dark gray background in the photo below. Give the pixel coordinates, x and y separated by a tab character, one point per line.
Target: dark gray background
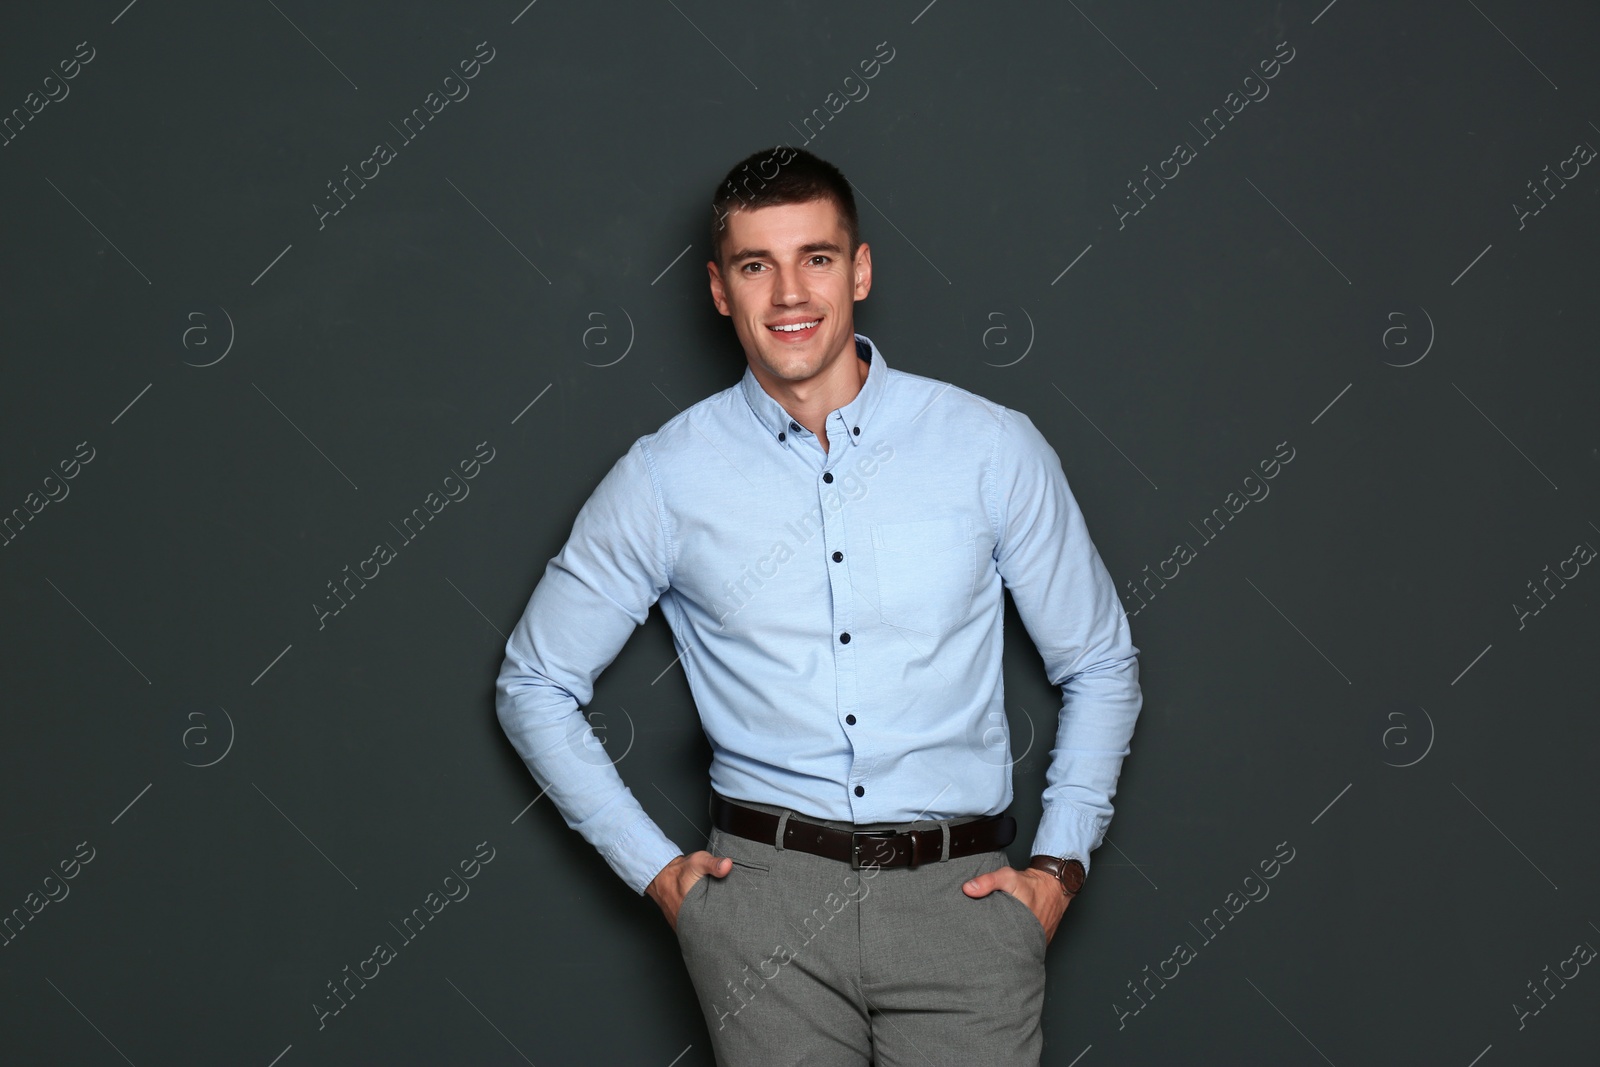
1342	668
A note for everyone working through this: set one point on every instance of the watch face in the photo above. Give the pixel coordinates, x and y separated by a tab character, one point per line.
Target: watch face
1072	875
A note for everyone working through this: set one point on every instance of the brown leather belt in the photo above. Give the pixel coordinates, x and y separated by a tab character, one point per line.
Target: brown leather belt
882	848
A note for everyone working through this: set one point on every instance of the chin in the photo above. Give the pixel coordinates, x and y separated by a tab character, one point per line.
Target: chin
791	368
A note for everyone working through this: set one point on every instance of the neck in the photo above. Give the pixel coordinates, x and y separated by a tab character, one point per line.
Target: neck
810	402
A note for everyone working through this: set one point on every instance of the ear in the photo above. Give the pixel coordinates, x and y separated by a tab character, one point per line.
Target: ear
719	296
862	269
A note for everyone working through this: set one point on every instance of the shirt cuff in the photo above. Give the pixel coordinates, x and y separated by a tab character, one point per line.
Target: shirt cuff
1066	833
641	854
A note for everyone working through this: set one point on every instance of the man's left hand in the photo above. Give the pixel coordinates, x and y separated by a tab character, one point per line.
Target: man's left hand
1039	890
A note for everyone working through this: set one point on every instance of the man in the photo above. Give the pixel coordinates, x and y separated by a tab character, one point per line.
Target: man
829	539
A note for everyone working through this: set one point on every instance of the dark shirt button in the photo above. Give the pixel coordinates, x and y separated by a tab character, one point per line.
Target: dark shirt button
861	790
844	639
837	556
828	477
794	426
780	435
856	431
850	720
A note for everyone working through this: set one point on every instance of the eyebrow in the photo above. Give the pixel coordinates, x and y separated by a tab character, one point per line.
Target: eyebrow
805	249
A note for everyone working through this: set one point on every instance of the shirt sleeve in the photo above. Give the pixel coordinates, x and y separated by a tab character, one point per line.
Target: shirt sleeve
1069	605
594	593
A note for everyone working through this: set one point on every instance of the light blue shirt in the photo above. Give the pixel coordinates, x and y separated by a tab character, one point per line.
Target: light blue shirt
838	616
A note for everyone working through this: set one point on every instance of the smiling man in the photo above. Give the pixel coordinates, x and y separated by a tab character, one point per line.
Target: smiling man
831	541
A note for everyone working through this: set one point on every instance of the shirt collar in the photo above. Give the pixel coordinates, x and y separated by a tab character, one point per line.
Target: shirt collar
856	414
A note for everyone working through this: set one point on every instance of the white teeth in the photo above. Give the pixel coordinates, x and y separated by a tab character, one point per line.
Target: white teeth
796	327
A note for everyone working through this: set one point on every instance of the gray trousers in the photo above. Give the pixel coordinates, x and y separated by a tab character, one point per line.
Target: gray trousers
799	960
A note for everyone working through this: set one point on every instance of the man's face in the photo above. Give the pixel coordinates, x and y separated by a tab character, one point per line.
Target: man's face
790	264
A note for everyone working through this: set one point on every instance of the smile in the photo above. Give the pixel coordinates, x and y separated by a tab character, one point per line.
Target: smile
796	331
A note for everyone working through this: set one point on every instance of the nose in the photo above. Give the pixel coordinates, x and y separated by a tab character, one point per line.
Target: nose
788	286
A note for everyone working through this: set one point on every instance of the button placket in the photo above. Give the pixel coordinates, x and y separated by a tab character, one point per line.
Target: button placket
838	562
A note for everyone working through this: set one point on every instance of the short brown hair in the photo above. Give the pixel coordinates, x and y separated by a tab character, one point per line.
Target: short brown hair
781	175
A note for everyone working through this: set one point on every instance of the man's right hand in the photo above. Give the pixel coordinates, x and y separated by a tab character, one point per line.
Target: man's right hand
670	885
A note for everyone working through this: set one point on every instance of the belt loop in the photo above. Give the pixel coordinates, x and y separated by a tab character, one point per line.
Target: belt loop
944	830
783	823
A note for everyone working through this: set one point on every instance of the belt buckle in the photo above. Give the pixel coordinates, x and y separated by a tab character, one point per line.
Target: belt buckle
856	837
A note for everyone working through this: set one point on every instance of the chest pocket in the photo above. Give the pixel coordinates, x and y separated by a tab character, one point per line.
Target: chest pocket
926	571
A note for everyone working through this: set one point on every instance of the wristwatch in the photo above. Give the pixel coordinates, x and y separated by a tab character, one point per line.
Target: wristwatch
1069	872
